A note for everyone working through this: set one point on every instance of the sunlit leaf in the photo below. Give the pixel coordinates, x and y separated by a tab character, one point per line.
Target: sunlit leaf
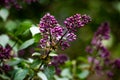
36	54
83	74
4	39
49	72
59	78
20	74
34	30
4	14
4	77
66	73
14	61
36	63
10	25
42	75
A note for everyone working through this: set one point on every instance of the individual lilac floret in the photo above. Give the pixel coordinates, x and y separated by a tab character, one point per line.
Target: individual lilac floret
64	45
89	49
5	52
48	21
76	21
71	37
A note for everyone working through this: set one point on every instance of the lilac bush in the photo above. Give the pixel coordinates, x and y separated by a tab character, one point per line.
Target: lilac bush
40	55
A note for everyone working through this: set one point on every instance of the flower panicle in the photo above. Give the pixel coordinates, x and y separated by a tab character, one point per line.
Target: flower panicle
55	33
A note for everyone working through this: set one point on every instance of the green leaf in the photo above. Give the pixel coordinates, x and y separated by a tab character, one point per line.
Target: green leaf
61	78
20	74
42	75
36	54
10	25
36	63
23	27
83	74
37	37
4	14
84	66
53	53
83	59
4	39
14	61
26	44
49	72
4	77
66	73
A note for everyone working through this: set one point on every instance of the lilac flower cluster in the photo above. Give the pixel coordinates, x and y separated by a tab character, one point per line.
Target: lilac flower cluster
76	21
54	34
101	34
6	67
57	61
5	52
99	54
15	3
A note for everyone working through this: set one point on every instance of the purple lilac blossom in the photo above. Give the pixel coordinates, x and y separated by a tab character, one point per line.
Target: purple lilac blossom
102	33
15	3
58	34
57	61
71	37
60	59
6	67
5	52
64	45
110	74
57	31
117	63
89	49
76	21
47	22
57	71
102	53
50	30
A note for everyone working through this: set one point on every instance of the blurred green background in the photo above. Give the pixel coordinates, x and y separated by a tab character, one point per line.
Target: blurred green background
100	11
